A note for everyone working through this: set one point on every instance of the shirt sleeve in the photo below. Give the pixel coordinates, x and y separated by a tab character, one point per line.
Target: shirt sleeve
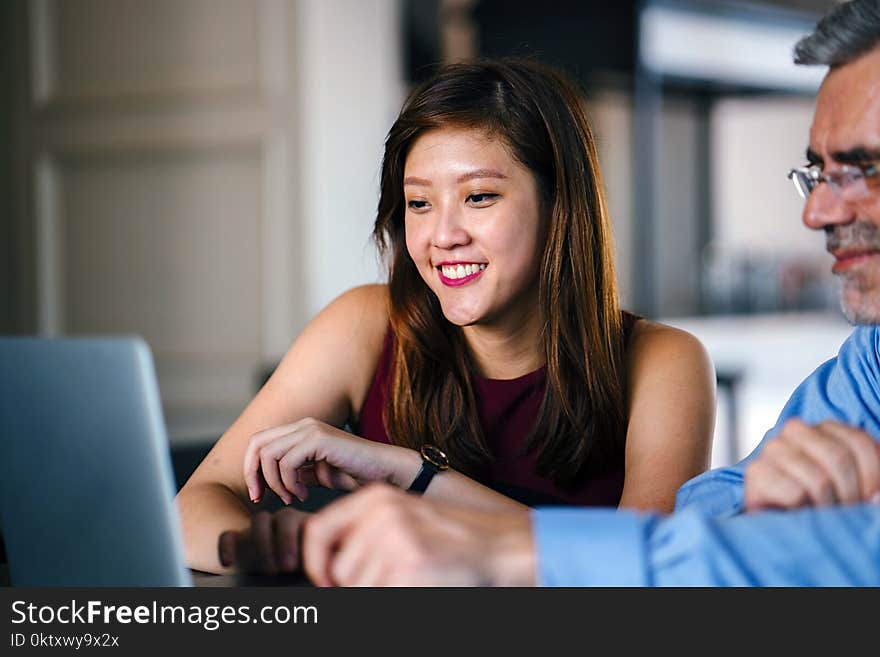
845	388
812	547
591	547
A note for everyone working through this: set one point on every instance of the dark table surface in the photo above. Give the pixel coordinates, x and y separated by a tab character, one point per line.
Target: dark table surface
201	579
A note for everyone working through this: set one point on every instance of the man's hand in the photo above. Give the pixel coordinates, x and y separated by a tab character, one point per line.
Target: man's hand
270	546
382	536
804	465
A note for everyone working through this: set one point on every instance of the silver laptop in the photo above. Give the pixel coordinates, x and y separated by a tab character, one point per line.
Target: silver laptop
86	486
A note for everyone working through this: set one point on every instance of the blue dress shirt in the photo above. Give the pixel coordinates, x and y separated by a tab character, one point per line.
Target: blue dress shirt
706	541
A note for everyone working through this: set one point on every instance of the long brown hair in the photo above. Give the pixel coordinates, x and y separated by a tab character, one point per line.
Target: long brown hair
541	118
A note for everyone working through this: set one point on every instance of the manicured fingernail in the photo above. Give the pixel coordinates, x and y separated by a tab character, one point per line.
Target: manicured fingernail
875	499
256	500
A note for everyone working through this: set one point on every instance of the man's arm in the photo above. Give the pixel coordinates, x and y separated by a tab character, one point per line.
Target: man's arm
381	536
845	389
813	547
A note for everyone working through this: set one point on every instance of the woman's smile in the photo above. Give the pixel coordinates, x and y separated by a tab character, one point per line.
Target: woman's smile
454	274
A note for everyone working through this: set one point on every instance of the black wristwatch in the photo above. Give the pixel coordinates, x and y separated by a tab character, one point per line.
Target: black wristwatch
433	461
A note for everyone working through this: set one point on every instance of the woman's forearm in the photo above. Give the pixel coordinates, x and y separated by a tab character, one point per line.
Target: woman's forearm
207	510
452	486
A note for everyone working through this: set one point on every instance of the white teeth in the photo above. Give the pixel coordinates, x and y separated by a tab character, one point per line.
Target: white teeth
455	272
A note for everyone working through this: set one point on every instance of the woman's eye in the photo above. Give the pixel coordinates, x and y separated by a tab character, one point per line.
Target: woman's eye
481	199
417	205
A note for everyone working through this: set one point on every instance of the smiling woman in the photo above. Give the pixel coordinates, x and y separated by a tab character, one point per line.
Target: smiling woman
475	232
496	367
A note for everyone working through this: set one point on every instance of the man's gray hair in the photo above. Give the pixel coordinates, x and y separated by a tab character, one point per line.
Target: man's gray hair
845	33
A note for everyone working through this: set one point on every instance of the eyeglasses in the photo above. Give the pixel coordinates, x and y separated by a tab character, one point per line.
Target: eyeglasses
849	183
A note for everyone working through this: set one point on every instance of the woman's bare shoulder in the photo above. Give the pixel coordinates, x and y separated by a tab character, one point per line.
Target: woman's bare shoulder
654	344
328	368
354	323
369	302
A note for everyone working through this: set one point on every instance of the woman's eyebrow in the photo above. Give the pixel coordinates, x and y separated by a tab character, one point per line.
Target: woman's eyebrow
480	173
469	175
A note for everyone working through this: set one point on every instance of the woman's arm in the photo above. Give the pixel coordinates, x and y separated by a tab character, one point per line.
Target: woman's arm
307	452
325	374
671	415
289	458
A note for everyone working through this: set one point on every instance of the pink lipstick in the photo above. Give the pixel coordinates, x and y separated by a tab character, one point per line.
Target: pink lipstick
458	270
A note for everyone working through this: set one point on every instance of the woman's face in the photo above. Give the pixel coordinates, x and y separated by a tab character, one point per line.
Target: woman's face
473	226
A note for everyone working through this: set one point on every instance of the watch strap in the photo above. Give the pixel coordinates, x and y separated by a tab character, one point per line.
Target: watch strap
426	474
433	461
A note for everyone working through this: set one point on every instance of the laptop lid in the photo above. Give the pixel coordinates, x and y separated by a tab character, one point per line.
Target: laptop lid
86	485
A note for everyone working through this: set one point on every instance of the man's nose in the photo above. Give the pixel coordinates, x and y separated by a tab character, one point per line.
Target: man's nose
450	231
824	208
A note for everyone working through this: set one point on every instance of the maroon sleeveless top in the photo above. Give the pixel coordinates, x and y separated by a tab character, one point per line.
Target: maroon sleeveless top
508	411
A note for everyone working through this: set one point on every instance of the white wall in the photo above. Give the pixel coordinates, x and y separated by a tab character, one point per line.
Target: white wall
757	141
350	91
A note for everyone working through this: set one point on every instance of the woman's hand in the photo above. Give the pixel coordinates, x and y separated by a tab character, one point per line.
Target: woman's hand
309	452
804	465
270	546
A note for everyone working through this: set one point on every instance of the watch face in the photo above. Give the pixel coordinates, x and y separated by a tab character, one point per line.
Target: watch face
435	456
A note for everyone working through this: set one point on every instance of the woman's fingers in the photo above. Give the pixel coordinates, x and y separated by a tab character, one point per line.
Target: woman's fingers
251	465
330	476
279	461
291	458
297	453
272	475
251	470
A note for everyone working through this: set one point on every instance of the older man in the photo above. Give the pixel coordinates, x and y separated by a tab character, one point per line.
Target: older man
820	454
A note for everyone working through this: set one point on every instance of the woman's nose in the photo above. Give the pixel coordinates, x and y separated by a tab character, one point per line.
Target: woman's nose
450	230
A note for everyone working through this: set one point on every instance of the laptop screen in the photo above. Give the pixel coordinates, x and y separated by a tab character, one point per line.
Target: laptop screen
86	487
